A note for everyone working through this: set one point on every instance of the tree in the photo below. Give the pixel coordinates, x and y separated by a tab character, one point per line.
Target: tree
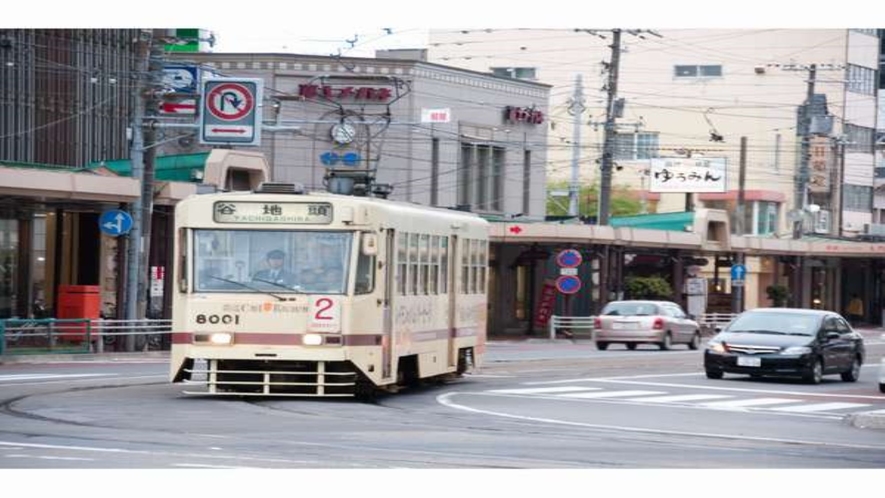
778	294
653	287
623	202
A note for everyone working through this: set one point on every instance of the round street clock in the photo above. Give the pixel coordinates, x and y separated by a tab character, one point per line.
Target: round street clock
343	133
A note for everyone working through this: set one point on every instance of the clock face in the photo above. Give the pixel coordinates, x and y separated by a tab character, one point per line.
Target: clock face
343	133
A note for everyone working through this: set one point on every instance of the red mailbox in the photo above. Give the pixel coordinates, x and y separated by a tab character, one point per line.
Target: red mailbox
80	302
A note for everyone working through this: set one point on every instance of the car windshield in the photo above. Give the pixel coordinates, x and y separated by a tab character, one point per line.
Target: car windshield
630	309
775	323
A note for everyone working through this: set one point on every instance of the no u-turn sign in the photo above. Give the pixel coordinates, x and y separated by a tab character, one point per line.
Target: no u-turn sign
231	111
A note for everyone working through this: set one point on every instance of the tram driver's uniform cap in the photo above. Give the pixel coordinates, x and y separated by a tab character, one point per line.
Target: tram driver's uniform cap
276	254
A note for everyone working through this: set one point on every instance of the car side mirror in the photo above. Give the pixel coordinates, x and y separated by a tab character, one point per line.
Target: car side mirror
717	329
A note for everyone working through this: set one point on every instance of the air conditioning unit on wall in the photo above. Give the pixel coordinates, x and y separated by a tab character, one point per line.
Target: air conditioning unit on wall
822	222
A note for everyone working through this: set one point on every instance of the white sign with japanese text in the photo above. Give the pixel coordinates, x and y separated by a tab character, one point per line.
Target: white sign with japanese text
684	175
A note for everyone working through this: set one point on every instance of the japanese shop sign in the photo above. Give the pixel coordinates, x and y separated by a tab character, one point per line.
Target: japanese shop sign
706	175
364	93
523	115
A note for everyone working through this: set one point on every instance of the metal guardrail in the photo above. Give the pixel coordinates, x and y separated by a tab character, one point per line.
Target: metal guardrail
709	321
571	323
80	335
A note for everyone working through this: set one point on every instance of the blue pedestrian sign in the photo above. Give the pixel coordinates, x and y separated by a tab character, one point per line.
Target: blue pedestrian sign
738	272
115	222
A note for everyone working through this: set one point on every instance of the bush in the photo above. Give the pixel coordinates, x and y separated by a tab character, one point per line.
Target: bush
653	287
778	294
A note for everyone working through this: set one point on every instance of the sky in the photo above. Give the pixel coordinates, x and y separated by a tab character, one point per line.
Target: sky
359	27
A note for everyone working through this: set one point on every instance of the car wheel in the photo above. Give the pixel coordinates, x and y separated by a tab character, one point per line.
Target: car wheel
631	346
852	374
815	373
695	341
667	343
713	374
882	388
601	345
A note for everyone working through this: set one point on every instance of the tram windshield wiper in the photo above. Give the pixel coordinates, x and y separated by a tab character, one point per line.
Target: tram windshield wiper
276	284
256	289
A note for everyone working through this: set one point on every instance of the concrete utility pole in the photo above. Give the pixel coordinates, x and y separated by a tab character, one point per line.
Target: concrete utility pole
576	109
609	137
737	292
142	157
805	154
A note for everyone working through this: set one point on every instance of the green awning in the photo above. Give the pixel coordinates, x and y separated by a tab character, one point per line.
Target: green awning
658	221
175	168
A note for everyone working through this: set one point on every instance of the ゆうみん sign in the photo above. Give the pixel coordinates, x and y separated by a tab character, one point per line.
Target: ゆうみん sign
684	175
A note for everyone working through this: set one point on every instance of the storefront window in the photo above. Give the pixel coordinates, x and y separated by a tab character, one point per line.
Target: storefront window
8	266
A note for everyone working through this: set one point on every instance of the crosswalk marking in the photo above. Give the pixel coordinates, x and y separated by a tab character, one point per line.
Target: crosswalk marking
747	403
819	407
678	398
608	394
795	405
545	390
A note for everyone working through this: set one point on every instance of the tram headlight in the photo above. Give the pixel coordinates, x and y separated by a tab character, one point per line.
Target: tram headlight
221	338
312	339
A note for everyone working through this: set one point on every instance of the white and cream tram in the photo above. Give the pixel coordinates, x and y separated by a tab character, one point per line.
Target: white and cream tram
285	293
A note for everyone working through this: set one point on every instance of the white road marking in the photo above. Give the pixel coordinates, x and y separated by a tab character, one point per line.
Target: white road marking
17	377
50	457
819	407
545	390
203	466
608	394
622	380
445	400
749	403
680	398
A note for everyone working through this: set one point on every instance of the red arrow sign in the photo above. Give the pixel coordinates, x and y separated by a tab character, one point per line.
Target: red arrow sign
515	229
173	107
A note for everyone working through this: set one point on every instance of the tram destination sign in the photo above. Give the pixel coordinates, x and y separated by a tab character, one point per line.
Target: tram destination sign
313	213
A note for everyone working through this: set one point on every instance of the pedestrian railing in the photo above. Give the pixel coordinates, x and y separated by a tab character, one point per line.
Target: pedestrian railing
81	335
570	325
709	321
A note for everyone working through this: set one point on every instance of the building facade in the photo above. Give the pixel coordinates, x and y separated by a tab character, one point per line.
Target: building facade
426	133
694	93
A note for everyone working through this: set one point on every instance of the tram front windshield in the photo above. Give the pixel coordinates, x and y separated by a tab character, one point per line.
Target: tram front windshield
274	261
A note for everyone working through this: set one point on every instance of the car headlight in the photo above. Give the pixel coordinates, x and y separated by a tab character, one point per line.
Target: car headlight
796	350
716	347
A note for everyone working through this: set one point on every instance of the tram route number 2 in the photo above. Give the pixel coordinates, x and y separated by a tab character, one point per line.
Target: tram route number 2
217	319
325	315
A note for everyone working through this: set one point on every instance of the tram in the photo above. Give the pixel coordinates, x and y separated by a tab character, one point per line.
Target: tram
282	292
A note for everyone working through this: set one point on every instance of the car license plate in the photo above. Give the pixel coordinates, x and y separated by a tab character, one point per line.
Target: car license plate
621	325
749	361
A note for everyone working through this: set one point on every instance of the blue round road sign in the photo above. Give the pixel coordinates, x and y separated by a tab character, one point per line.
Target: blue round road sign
569	258
115	222
568	284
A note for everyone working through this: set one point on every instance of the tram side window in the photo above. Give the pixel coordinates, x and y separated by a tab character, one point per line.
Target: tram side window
434	264
444	265
424	254
465	266
365	274
402	262
413	265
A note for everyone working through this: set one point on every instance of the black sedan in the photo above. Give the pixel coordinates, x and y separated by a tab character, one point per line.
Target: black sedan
786	342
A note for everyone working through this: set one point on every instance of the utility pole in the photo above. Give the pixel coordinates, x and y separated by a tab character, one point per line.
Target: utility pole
142	156
576	109
737	292
609	136
805	155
